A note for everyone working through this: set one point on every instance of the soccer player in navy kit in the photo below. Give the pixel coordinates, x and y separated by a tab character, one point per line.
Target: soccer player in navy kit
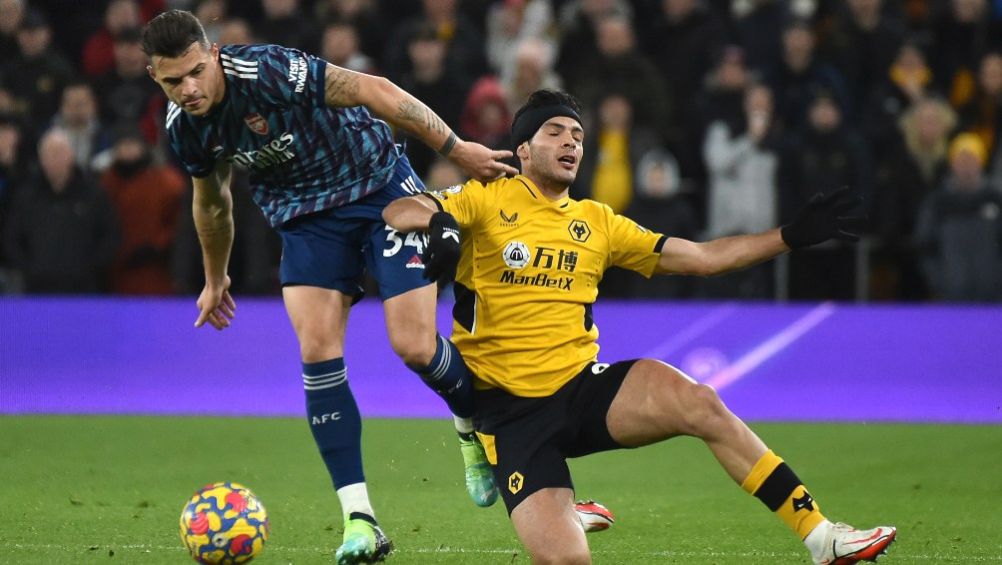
322	168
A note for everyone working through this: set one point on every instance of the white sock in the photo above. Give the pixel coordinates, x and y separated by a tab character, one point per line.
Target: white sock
815	541
463	425
355	498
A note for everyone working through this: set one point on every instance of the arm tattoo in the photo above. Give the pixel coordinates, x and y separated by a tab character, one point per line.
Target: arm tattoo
408	111
420	114
340	86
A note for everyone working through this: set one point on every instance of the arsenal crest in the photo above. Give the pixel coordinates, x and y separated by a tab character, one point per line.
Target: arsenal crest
257	123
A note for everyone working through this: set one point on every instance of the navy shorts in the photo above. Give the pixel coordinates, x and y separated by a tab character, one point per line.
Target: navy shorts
528	440
334	248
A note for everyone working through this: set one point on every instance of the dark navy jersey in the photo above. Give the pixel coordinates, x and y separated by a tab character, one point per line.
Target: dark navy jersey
302	155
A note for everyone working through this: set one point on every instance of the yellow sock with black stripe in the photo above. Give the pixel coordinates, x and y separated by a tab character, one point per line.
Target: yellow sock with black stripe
777	486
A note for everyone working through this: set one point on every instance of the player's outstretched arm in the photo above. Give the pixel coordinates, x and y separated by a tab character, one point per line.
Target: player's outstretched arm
824	217
718	256
212	208
409	214
403	111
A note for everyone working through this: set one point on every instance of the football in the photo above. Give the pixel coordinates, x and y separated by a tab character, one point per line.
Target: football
224	523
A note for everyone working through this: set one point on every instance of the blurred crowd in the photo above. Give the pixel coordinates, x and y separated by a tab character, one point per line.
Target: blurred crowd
704	118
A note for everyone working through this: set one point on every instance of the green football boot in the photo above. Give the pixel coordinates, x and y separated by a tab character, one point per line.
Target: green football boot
363	541
480	484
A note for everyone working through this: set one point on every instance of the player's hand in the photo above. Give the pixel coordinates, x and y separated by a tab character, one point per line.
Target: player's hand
441	255
481	162
825	217
216	306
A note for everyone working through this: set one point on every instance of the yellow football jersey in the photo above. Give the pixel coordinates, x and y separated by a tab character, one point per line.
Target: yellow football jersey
528	276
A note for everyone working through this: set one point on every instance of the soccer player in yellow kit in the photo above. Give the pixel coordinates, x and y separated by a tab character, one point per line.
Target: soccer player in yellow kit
528	260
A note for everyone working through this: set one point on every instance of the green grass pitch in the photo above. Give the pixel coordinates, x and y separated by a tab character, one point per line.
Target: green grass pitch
110	490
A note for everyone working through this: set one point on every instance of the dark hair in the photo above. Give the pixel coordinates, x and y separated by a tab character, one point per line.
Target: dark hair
34	19
541	98
541	106
12	120
172	32
127	129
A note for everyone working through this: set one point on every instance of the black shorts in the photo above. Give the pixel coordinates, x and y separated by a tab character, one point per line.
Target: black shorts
529	439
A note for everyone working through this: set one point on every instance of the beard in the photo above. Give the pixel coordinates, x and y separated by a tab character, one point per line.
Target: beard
556	175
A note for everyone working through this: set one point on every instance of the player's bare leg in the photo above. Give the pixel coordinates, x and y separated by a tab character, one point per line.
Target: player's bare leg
657	401
319	317
410	324
550	529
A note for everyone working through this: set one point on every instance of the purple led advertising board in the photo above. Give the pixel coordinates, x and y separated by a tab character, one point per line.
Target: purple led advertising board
832	362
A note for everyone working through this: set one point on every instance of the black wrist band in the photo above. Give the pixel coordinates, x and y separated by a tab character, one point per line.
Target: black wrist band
448	145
